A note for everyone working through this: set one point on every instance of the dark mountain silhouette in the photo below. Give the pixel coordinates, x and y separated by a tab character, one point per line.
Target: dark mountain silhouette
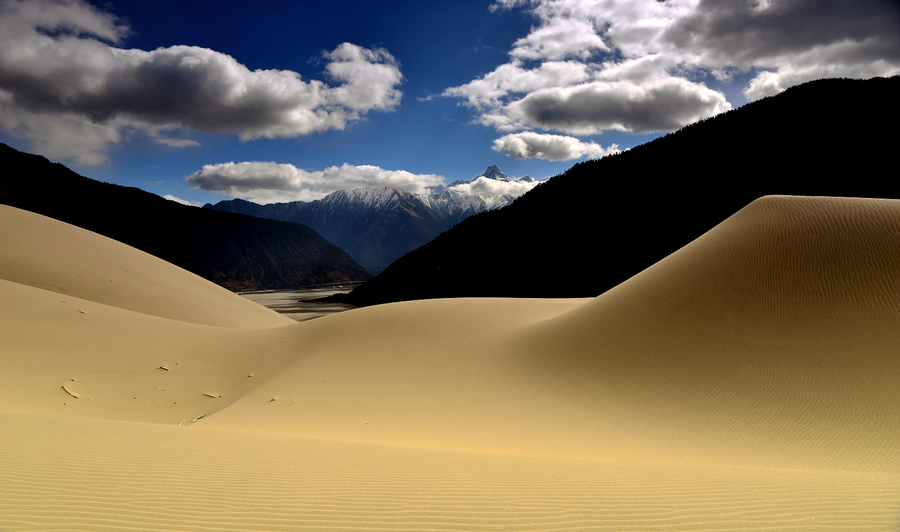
594	226
376	226
233	250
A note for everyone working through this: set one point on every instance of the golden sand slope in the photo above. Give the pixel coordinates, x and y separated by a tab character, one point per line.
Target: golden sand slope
43	253
747	382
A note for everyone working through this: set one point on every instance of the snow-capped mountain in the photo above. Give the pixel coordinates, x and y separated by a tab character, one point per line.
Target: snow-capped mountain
457	201
378	225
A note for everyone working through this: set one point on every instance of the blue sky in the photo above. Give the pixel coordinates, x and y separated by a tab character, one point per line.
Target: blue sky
310	97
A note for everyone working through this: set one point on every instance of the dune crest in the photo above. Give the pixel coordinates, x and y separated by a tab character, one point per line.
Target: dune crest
44	253
771	340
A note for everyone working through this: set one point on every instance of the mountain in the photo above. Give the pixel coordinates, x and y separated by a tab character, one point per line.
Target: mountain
235	251
457	201
376	226
583	232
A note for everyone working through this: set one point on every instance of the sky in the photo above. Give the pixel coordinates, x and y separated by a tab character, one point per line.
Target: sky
277	100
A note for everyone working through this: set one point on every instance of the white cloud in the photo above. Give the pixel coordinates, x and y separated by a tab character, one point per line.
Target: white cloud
181	201
634	65
558	39
369	78
528	145
176	143
63	87
269	182
494	188
488	91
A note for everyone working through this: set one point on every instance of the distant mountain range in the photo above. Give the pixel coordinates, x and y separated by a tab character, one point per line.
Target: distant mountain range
376	226
581	233
238	252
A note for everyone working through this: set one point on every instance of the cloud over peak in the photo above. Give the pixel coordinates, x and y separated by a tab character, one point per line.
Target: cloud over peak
270	182
492	188
58	77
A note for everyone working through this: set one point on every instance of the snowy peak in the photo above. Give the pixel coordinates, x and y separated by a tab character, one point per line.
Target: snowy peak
494	172
378	225
371	198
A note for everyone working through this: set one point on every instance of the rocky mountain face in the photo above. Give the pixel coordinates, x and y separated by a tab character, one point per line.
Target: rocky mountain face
376	226
241	253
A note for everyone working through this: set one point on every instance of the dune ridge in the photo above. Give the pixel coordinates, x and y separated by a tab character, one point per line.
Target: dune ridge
745	382
44	253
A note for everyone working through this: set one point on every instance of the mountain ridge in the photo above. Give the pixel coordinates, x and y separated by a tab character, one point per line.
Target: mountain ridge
238	252
377	225
588	229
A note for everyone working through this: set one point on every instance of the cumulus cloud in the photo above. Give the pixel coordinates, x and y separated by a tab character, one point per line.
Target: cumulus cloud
488	91
638	65
593	107
494	188
269	182
528	145
61	74
792	41
560	38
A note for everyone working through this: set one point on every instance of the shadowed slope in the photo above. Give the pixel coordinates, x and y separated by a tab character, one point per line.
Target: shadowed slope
375	225
770	340
238	252
662	195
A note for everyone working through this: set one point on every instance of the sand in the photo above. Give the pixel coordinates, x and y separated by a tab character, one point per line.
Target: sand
749	381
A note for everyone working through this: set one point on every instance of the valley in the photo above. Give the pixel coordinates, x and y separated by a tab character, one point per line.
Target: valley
299	305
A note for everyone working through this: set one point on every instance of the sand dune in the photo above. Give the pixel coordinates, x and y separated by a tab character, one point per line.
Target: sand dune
746	382
43	253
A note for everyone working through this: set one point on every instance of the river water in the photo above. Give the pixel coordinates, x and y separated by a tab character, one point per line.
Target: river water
297	305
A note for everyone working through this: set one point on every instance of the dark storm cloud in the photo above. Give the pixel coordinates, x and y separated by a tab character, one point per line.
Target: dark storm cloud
740	33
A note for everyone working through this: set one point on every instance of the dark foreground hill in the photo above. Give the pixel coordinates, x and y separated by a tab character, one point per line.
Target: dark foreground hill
375	226
233	250
601	222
